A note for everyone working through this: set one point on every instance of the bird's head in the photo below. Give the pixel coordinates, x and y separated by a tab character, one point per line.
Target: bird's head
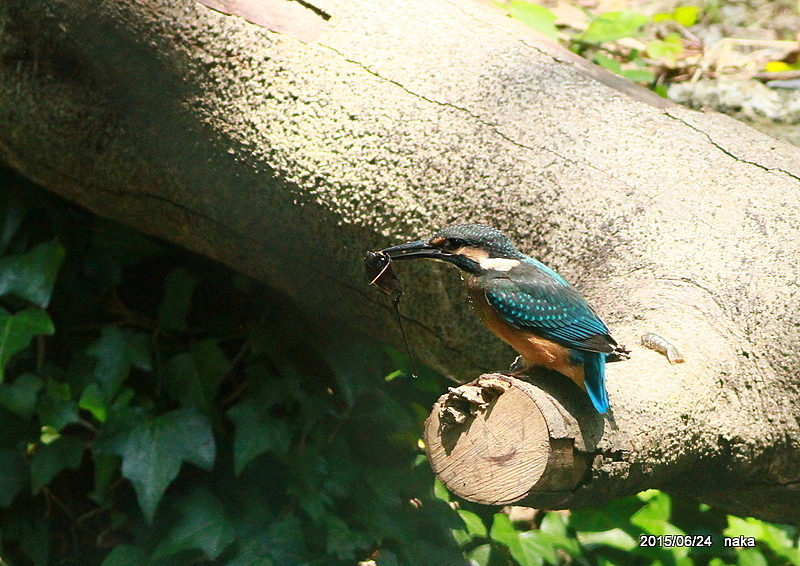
475	248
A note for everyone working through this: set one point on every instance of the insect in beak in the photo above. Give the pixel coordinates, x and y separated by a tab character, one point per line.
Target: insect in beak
382	277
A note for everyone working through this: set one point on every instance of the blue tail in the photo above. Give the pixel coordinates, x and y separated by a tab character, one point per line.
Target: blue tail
594	375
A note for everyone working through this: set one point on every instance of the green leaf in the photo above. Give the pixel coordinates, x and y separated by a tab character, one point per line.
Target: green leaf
657	508
666	50
503	531
203	525
608	63
615	514
538	17
686	15
30	533
472	523
440	491
257	432
774	536
20	396
17	331
138	346
13	475
551	536
612	26
49	459
106	471
49	434
341	541
285	541
480	555
539	544
178	291
192	378
94	401
615	538
55	408
152	453
113	361
116	351
126	555
32	275
751	557
554	523
638	75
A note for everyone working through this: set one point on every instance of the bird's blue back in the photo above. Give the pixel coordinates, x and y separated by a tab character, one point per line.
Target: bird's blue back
533	297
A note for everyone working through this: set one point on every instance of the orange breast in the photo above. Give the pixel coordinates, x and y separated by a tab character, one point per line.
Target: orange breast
535	350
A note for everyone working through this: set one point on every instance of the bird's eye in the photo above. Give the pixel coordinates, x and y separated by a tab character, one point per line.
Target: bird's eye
452	244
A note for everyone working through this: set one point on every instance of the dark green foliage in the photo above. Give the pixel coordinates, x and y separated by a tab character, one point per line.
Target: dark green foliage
164	411
158	409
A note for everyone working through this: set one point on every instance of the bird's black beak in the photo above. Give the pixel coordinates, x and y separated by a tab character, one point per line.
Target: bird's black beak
418	249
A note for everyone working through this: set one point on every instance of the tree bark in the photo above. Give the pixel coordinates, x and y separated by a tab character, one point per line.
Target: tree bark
289	153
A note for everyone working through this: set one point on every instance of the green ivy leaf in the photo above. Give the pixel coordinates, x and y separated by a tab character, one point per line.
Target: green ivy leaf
17	331
116	352
612	26
751	557
472	523
540	544
257	432
250	558
32	275
203	525
20	396
615	538
106	471
178	291
126	555
94	401
341	541
774	536
658	507
503	531
538	17
13	475
480	555
285	541
55	408
613	515
49	459
31	534
192	378
153	451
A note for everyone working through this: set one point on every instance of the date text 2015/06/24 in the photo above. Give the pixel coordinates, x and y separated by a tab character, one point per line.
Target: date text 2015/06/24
695	541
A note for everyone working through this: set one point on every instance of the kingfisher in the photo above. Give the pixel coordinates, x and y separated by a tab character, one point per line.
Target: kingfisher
526	304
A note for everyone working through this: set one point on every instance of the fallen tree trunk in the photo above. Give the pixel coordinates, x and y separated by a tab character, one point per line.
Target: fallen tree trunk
287	154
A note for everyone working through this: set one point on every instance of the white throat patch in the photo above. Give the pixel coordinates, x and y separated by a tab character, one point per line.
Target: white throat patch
498	263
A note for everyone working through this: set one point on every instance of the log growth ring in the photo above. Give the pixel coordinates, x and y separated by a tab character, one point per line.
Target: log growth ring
499	440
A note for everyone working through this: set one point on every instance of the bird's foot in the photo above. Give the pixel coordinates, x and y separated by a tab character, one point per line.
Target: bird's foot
518	367
620	354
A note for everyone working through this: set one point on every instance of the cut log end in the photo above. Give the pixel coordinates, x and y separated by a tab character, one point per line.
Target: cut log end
500	440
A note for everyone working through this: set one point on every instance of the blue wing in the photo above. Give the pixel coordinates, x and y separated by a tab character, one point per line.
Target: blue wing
533	297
